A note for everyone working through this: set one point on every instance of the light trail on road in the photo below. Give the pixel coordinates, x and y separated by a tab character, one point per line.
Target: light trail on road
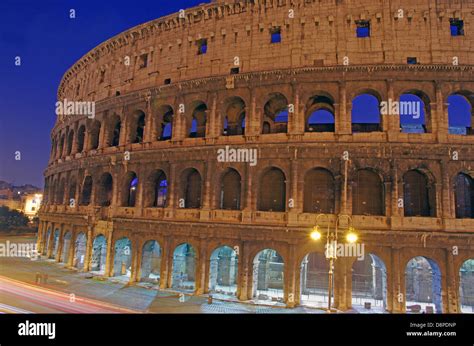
60	302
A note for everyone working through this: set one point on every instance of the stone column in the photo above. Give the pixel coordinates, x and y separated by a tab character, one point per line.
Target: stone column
343	116
212	121
49	250
39	237
135	265
396	193
201	278
172	191
439	116
165	263
245	273
72	246
109	264
208	184
452	304
291	272
147	131
343	284
447	211
396	291
88	254
296	119
391	122
253	121
57	258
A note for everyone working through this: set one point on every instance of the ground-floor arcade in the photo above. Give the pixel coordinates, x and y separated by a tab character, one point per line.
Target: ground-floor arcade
391	276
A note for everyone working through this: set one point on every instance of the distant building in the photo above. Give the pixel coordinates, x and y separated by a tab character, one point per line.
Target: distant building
30	204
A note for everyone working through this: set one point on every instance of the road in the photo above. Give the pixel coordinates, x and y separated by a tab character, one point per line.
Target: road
28	298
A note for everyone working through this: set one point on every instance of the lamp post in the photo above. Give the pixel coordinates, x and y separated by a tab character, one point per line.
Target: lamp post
331	245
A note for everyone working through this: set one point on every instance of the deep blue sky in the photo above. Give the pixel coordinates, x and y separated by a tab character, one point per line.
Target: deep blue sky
49	42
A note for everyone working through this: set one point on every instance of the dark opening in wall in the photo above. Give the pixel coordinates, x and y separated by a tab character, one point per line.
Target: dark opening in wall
102	76
457	27
167	81
412	61
275	35
234	70
202	46
143	61
363	28
117	93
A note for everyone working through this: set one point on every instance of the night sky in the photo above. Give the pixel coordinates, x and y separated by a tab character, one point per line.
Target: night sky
49	42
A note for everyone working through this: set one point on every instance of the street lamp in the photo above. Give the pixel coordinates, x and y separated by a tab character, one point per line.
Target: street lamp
331	245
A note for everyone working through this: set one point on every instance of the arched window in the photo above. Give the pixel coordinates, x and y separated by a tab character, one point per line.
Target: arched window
163	123
60	192
116	134
272	195
61	147
367	194
139	128
460	113
160	191
413	112
418	196
464	196
198	121
130	191
94	135
319	192
366	114
234	119
81	133
71	196
320	114
105	190
192	188
86	191
230	190
70	141
275	114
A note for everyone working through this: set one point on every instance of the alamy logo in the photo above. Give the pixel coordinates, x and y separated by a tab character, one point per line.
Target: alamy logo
37	329
392	107
76	108
9	249
335	250
229	154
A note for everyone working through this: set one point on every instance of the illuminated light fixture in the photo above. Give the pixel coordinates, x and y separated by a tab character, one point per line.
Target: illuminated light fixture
315	234
351	236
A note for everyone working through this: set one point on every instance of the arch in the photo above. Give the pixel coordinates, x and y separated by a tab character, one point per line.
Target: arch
81	134
163	123
105	190
223	270
55	243
66	246
418	195
61	146
122	258
314	279
86	192
464	196
137	127
466	286
71	195
423	285
198	120
129	196
460	113
80	251
319	192
230	190
99	255
70	141
368	195
114	130
366	112
268	276
319	115
151	262
369	283
275	114
234	116
272	193
47	241
94	132
184	268
157	190
414	111
191	186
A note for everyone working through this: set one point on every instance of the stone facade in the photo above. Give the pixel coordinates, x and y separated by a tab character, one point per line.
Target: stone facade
319	64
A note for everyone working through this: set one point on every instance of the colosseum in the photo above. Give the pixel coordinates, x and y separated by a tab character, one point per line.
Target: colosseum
225	136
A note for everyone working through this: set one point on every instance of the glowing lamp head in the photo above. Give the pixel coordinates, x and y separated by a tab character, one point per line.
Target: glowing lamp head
351	236
315	234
